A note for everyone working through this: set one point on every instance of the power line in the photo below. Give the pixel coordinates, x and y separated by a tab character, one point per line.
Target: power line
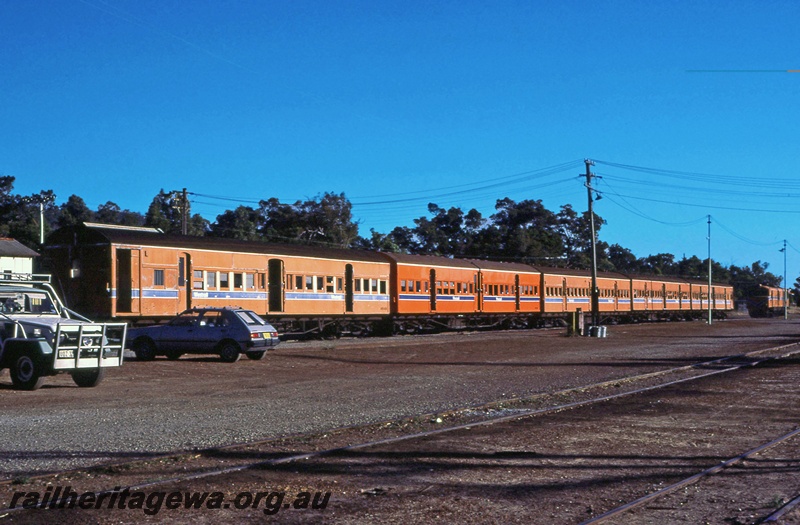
708	177
699	205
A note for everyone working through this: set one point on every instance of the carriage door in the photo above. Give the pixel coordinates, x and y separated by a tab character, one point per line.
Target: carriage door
433	290
516	287
184	281
275	286
348	288
124	281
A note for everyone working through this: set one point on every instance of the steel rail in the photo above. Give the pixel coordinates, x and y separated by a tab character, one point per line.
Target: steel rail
690	480
778	514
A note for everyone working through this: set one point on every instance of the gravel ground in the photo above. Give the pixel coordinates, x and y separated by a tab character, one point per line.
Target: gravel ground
147	408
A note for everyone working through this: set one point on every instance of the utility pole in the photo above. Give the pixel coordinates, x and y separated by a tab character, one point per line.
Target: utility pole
41	223
184	213
785	285
709	269
595	291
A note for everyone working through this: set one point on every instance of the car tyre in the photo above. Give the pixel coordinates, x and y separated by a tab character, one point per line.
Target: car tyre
144	349
257	356
88	378
230	352
26	372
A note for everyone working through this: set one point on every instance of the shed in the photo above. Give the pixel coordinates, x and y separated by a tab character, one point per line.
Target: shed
15	257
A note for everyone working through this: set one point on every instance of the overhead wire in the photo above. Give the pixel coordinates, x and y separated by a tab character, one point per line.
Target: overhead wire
636	211
444	192
707	177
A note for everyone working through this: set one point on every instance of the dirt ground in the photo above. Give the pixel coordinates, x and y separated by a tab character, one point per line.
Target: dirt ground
559	468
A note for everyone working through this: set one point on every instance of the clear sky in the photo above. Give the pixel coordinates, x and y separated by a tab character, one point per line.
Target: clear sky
399	103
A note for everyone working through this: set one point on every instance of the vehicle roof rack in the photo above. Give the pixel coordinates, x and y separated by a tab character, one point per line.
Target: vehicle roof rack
24	277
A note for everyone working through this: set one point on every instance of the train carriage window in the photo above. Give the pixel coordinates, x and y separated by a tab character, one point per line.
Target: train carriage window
374	285
250	281
402	286
298	282
426	286
382	285
329	287
197	281
237	280
211	279
339	284
289	282
309	283
320	284
223	280
158	277
358	285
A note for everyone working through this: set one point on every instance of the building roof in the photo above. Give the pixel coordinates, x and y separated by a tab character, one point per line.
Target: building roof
14	248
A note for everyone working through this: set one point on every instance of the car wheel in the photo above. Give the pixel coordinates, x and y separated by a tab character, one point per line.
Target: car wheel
255	356
229	352
26	373
88	378
173	354
144	349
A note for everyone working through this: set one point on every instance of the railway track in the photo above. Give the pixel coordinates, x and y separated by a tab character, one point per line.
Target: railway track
174	469
622	512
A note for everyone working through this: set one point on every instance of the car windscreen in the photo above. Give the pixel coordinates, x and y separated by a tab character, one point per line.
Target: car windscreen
26	303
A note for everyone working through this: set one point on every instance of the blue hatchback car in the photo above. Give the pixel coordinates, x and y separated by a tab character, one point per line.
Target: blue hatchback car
227	332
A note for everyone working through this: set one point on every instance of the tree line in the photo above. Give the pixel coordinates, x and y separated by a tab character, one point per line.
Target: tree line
524	231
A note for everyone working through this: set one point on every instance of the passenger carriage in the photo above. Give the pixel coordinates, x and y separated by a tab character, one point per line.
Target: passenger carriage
508	288
143	274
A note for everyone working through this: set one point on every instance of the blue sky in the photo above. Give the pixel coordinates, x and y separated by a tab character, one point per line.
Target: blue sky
456	102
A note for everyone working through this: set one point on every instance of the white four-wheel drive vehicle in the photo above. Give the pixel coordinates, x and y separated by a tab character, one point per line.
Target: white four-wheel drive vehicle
40	337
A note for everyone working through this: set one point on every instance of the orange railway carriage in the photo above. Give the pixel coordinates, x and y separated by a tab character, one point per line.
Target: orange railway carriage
424	284
121	272
661	294
508	287
567	290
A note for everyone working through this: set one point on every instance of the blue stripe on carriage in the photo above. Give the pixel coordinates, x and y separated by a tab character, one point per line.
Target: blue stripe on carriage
262	296
158	294
367	297
455	297
578	300
315	296
499	298
409	297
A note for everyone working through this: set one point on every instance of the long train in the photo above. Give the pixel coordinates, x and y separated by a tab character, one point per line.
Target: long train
141	274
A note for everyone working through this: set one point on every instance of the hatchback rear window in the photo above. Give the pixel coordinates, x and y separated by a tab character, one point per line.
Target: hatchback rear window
250	318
